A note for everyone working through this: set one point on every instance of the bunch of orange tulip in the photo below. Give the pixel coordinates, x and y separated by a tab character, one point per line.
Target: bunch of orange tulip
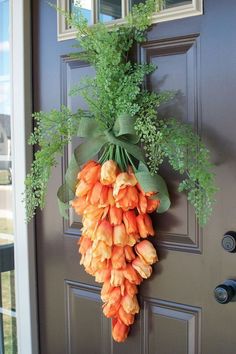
113	245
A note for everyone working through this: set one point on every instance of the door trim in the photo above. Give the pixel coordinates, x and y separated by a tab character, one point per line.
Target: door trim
174	13
21	123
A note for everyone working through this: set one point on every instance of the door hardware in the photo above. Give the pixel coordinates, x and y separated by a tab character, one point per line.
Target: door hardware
226	292
229	241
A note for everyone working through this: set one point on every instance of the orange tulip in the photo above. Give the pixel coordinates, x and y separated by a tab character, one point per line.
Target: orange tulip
93	213
142	268
118	257
115	215
90	173
142	205
86	258
126	318
146	252
109	172
109	202
120	195
130	199
82	188
148	223
89	227
147	194
120	236
129	219
103	199
111	309
85	243
104	232
131	289
144	223
102	275
123	180
129	253
105	291
105	212
130	304
101	250
115	296
95	265
133	239
92	218
131	275
117	277
110	198
119	330
152	204
85	168
95	195
79	204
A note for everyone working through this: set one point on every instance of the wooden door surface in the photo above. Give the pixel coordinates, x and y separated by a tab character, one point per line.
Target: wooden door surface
179	315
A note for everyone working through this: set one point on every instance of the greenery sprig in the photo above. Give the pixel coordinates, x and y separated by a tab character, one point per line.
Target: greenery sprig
53	131
182	148
117	90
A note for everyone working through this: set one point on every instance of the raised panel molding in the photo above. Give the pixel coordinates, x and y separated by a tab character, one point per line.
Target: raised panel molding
71	70
178	60
176	328
83	304
185	51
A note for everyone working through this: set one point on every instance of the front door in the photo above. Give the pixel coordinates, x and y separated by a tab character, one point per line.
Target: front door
197	57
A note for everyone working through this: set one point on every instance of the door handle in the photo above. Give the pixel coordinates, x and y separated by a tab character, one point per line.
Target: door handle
226	291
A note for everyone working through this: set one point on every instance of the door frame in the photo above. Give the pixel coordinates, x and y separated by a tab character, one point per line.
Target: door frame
21	125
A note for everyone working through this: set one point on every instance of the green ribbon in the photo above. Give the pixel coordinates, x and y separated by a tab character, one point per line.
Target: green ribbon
122	134
155	184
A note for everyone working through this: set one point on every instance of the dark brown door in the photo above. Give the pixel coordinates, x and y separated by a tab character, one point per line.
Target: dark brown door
197	57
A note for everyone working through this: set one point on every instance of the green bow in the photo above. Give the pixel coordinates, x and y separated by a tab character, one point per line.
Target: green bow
123	135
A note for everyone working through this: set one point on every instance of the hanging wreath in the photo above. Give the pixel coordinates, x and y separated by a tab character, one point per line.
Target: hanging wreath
115	194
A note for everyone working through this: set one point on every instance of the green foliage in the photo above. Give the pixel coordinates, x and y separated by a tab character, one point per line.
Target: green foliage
186	154
117	90
52	133
147	127
114	89
140	17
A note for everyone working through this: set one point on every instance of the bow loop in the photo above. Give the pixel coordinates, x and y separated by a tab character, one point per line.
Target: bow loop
124	127
122	134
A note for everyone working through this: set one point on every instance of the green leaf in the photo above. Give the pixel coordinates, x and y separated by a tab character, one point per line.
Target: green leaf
71	173
142	167
64	196
155	184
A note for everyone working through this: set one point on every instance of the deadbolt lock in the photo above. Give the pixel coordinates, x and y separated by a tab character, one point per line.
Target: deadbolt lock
229	241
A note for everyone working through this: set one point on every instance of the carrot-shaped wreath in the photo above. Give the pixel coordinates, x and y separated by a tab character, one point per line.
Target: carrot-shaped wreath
115	194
